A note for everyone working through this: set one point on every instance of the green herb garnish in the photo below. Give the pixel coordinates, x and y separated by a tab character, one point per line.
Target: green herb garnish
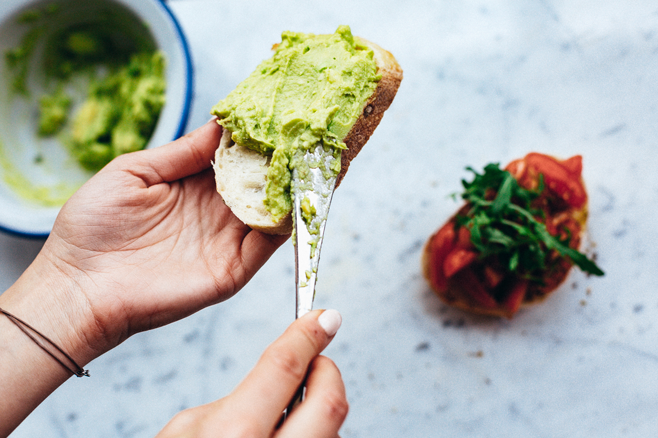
504	225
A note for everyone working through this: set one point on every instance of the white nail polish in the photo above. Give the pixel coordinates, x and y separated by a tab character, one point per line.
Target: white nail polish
330	321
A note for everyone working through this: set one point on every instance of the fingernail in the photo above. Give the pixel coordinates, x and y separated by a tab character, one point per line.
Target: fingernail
330	321
212	119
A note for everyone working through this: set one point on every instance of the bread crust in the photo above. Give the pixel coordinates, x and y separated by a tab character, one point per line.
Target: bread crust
373	110
371	114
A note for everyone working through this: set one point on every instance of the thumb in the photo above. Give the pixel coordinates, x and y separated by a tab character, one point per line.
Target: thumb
186	156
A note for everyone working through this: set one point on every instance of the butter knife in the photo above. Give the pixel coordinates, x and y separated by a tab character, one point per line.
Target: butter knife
312	188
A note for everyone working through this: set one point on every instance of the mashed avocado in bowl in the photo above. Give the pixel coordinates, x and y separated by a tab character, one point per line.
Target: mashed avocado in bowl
81	83
118	114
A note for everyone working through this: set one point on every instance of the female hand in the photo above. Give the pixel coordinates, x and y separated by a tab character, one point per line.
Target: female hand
145	242
254	408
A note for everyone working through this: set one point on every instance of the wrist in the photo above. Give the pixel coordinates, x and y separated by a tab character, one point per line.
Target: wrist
47	301
53	303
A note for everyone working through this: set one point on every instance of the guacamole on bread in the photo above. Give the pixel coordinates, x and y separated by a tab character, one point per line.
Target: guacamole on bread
311	91
327	90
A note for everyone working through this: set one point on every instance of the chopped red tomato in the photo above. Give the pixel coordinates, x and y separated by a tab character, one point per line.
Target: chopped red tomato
457	260
514	299
478	295
438	248
563	178
574	165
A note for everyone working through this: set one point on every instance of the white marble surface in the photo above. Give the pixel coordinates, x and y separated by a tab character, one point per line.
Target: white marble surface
484	81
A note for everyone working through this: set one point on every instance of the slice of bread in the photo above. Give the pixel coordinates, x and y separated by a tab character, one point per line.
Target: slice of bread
241	174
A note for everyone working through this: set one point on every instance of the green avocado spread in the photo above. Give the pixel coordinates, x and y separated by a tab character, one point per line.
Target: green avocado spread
311	91
120	112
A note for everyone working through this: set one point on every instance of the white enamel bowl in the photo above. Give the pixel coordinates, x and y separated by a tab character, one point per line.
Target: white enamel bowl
19	143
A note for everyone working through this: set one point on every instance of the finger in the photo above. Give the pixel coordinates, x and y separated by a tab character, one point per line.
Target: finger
270	386
186	156
325	407
257	247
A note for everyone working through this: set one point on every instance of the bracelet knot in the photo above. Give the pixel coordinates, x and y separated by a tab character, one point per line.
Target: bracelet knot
47	345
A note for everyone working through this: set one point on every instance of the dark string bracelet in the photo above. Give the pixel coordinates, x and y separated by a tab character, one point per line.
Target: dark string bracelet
47	345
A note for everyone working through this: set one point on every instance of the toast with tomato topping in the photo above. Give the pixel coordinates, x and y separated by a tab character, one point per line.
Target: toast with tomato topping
515	239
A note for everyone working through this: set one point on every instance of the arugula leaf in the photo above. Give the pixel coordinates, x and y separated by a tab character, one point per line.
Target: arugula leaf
504	225
504	196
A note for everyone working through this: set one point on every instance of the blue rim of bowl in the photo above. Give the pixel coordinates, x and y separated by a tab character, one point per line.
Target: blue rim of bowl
189	71
185	113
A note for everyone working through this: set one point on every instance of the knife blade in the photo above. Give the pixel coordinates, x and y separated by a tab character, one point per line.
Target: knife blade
312	187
